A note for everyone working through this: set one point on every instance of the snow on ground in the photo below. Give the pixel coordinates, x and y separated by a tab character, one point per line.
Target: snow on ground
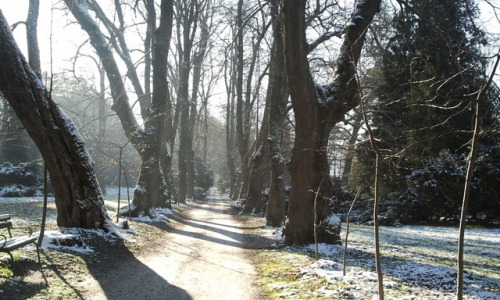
57	240
157	215
418	262
27	211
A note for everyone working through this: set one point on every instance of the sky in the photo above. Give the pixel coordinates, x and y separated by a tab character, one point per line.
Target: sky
52	31
59	35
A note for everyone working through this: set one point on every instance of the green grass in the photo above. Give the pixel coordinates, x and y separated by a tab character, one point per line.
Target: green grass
6	270
279	275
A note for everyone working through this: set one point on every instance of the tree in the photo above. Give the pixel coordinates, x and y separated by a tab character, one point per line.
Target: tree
277	94
317	109
267	165
153	141
239	104
188	14
257	177
468	179
194	31
79	199
431	72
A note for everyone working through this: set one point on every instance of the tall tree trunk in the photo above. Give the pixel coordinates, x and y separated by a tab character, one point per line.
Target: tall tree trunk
183	150
79	199
231	164
241	130
260	163
167	138
151	188
158	125
259	176
229	74
188	13
198	60
317	109
278	95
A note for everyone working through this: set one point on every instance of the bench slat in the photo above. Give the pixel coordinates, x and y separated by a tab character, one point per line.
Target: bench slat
4	217
17	242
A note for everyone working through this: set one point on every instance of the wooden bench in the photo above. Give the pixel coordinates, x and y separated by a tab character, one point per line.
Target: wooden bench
9	244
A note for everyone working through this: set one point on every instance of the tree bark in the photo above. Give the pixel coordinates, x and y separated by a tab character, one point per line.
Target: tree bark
317	109
79	199
259	177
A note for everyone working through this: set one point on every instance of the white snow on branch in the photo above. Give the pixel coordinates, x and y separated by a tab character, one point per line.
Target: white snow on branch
327	92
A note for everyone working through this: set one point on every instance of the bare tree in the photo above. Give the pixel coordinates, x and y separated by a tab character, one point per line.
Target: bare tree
79	199
376	203
153	138
317	109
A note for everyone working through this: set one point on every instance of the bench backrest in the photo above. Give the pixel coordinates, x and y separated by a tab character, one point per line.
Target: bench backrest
4	217
5	224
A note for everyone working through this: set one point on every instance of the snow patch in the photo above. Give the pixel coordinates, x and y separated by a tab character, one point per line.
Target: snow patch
333	220
155	215
70	240
411	265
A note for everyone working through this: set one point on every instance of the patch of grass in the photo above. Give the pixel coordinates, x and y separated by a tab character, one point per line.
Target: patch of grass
6	270
280	277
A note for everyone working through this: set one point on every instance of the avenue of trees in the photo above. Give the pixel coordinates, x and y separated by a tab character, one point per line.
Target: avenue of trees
261	99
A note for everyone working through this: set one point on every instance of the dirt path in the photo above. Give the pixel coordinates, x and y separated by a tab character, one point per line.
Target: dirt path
206	255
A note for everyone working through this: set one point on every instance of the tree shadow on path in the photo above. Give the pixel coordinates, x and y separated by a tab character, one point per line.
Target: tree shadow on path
122	276
236	238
